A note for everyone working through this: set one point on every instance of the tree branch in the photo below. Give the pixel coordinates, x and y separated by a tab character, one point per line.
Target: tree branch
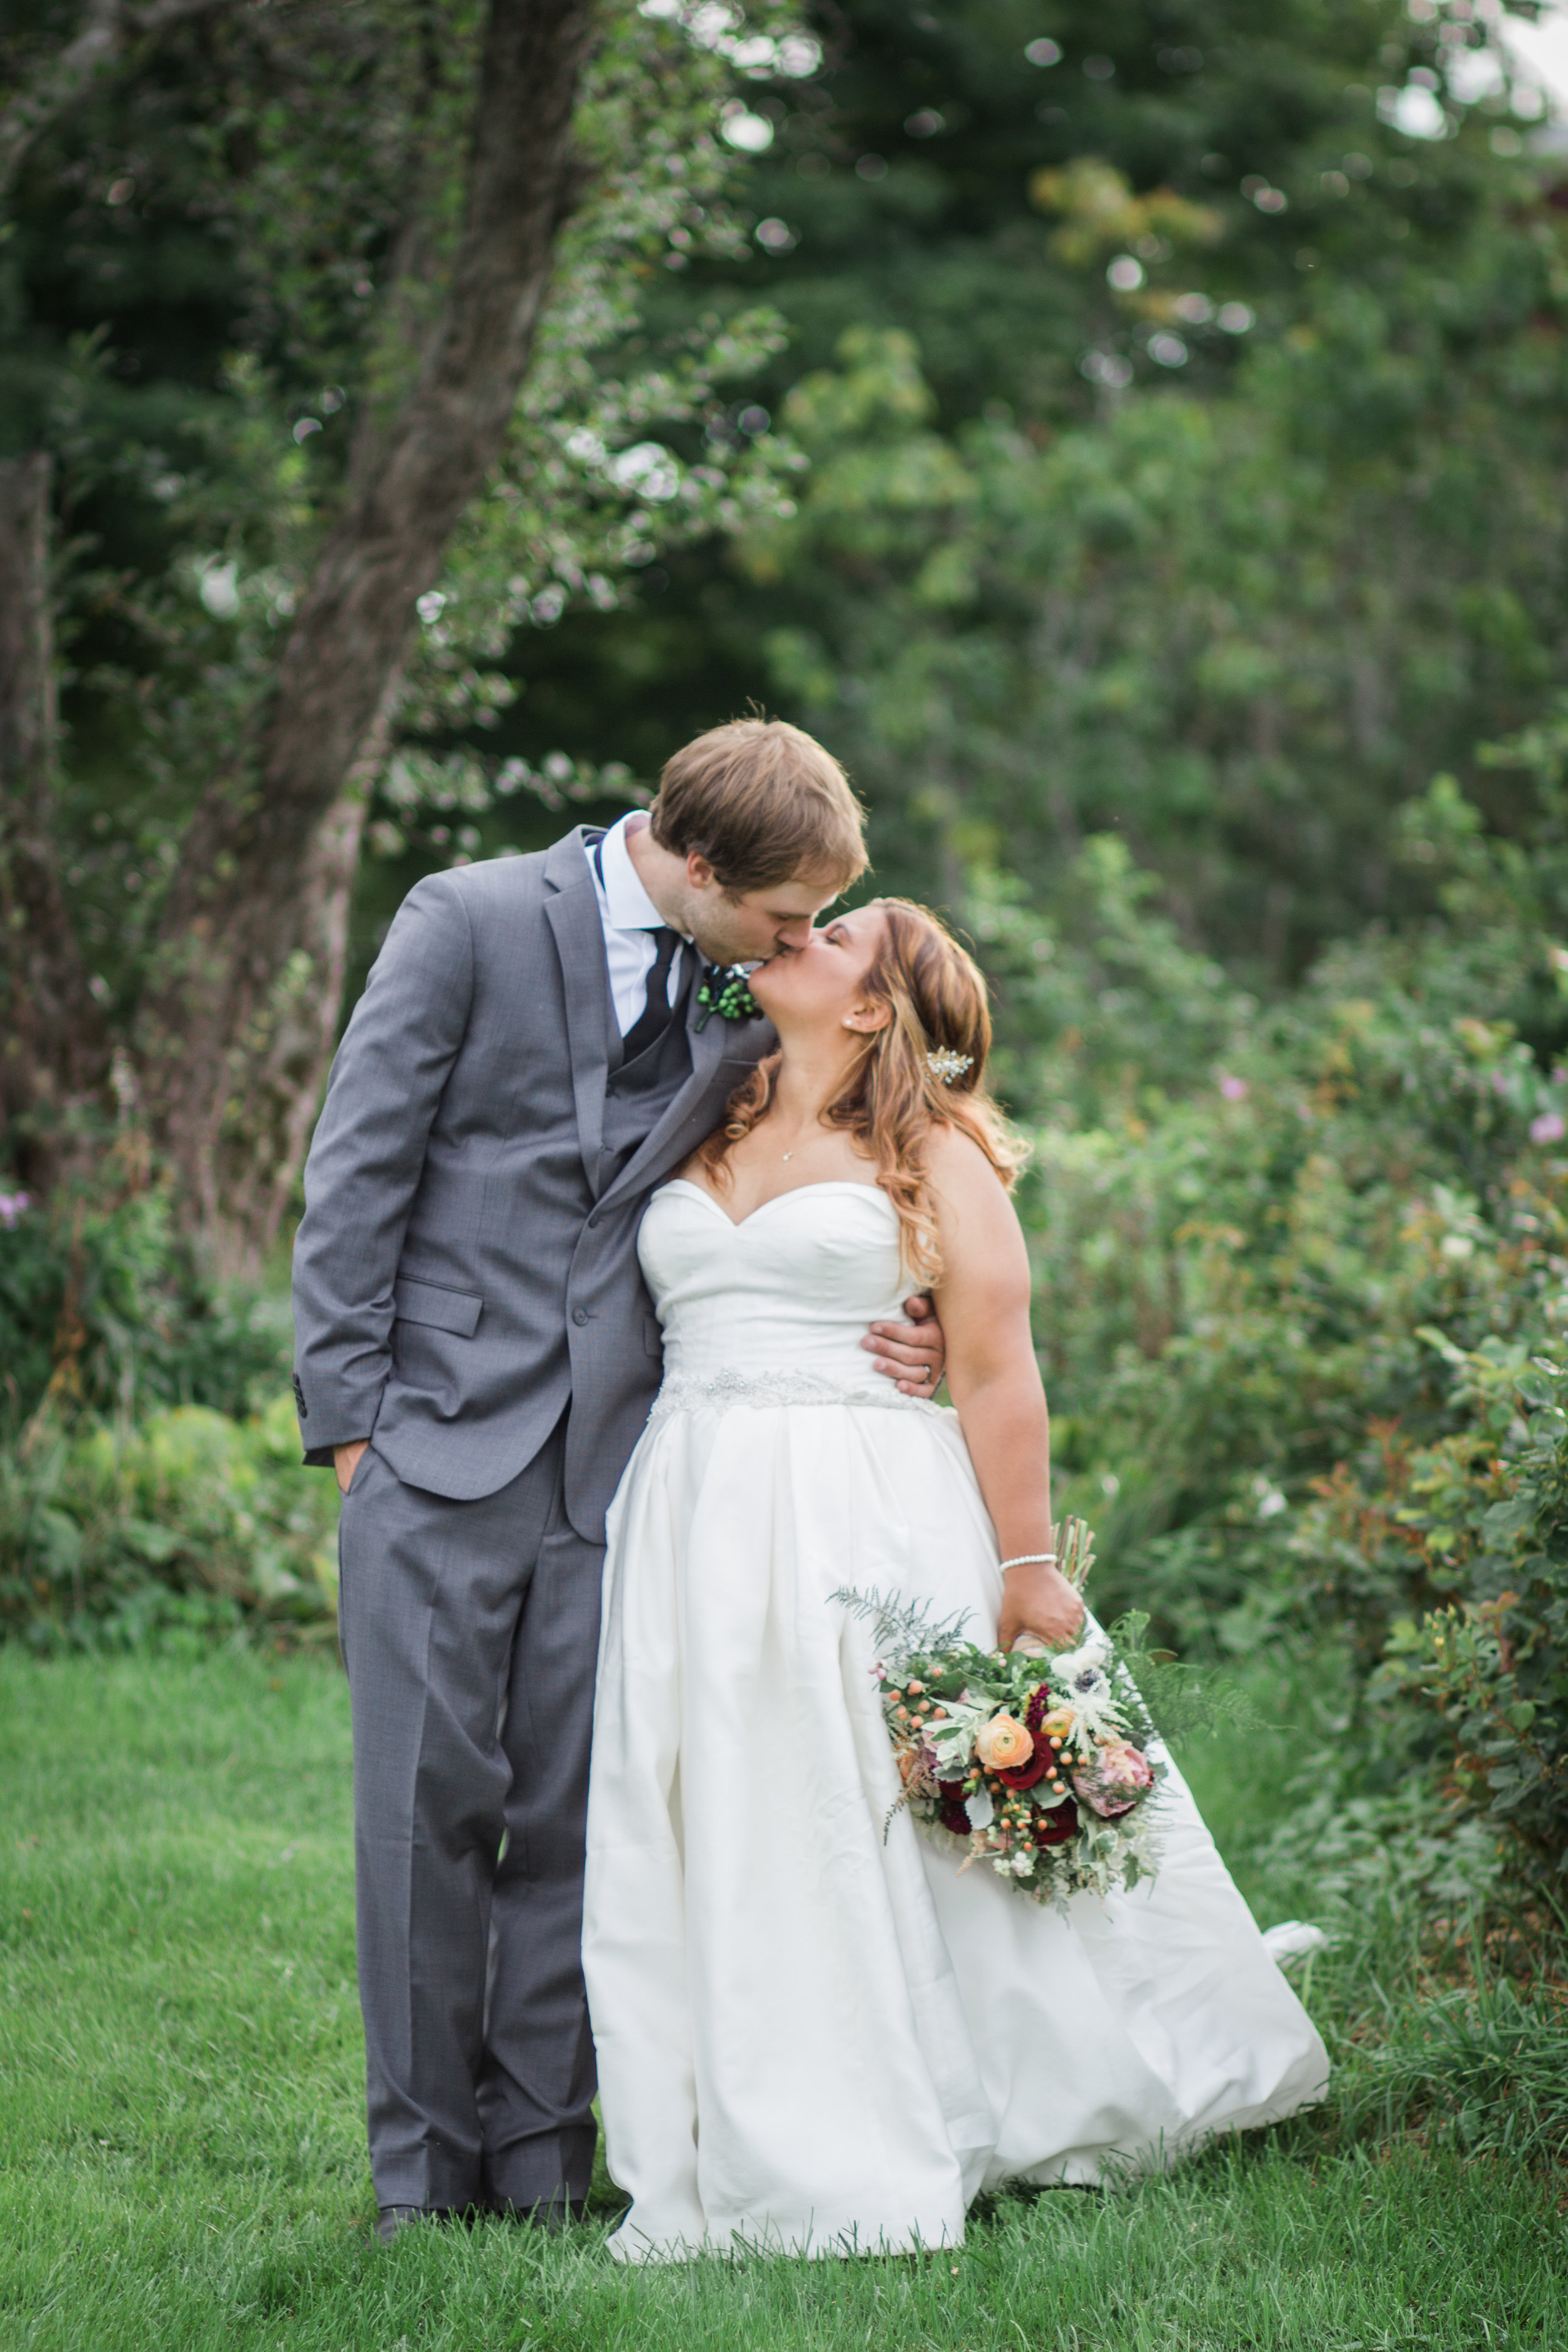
107	31
388	546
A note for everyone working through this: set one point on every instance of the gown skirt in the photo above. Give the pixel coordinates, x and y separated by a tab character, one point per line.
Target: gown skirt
816	2032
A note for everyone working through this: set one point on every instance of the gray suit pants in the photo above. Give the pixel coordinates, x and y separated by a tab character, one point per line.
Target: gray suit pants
470	1635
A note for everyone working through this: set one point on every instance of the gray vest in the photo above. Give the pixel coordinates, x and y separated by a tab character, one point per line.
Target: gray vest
638	1093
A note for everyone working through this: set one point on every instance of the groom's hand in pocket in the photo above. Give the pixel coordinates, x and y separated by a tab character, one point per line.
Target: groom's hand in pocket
346	1461
914	1354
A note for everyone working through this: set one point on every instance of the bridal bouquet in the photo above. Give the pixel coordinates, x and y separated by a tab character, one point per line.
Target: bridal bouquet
1037	1760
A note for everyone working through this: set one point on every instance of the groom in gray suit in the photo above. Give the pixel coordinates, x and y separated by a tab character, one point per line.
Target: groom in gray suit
476	1356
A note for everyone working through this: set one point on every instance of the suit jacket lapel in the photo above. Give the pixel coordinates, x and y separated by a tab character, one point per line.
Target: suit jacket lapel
572	910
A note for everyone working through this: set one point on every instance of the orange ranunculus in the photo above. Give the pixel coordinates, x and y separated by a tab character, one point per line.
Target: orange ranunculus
1003	1744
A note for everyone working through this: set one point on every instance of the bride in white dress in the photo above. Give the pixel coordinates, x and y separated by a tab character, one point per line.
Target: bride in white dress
816	2032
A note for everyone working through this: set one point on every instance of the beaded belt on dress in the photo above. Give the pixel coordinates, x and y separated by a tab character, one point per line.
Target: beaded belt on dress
685	1393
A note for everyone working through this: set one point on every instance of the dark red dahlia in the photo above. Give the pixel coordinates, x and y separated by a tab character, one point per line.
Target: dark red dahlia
950	1810
1056	1827
1024	1776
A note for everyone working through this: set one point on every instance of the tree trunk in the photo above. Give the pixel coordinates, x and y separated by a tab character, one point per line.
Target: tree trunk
54	1047
240	1009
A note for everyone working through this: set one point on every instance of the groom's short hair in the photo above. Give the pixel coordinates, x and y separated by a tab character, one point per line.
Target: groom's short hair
763	802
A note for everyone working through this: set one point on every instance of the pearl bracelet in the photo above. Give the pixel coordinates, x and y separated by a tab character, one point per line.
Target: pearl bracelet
1030	1559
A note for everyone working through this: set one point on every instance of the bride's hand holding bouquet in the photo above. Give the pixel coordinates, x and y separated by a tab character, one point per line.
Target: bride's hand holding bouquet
1038	1604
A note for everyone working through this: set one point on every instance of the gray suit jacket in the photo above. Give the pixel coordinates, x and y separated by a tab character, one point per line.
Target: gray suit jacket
467	1260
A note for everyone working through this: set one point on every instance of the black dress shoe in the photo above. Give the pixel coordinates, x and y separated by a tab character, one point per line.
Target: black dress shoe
390	2221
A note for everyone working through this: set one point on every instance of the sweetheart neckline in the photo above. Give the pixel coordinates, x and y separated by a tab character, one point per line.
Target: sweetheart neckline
738	1224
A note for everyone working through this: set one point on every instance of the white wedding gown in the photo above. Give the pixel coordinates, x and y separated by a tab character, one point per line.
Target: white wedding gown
811	2035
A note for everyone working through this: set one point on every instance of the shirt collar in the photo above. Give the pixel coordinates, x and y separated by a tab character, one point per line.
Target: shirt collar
627	902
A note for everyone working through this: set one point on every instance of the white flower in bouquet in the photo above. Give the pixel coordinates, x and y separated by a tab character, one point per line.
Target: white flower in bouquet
1090	1657
1081	1674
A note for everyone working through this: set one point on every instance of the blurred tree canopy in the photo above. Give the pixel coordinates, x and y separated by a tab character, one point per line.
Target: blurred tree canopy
1184	392
1144	419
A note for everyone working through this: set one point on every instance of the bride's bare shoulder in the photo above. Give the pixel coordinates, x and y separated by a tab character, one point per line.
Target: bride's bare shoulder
956	1158
984	1259
966	1185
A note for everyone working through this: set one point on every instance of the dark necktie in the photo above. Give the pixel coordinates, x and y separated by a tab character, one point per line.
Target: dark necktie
655	1016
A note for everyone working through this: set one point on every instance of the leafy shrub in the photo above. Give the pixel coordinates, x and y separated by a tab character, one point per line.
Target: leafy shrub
1233	1286
1489	1509
1386	1865
104	1308
1299	1269
191	1525
141	1496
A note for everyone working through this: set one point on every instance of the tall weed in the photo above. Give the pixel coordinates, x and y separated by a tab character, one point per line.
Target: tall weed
1483	2068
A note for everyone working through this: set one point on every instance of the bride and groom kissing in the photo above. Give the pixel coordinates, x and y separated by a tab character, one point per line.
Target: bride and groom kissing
621	1298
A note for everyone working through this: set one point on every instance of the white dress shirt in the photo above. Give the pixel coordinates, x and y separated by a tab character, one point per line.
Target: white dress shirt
630	920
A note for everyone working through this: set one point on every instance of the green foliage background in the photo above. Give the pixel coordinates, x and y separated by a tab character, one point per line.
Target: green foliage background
1134	437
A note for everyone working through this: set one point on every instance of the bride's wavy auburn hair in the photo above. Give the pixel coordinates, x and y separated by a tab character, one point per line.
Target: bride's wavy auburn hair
891	1099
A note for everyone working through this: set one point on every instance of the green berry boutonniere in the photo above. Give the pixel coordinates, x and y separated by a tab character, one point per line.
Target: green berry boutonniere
726	991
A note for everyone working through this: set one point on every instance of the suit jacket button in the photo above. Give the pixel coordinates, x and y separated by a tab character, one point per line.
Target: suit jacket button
592	1220
579	1315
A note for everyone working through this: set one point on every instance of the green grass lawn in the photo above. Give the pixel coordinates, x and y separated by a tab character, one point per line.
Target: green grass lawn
182	2155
